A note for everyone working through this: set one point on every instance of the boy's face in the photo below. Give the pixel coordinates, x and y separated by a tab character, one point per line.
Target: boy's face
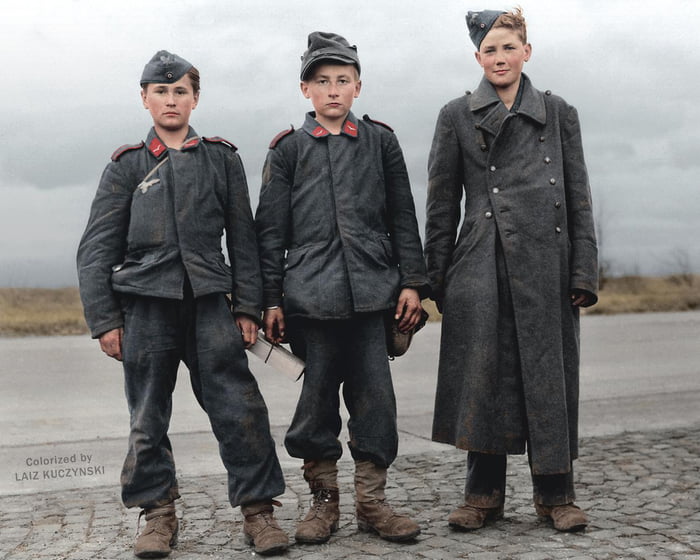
332	89
170	105
502	55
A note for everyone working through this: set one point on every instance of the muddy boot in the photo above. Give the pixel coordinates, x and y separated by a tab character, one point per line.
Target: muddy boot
159	535
322	518
567	517
373	513
260	528
469	518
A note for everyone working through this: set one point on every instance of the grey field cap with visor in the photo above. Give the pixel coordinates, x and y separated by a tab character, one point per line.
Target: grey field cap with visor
480	23
164	68
328	46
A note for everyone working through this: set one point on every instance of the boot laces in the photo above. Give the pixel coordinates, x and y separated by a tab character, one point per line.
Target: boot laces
321	498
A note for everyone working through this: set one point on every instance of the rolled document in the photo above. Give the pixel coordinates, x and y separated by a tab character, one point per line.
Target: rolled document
278	358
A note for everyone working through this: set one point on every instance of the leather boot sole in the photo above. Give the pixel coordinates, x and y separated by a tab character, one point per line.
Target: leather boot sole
265	551
318	539
473	518
568	518
367	527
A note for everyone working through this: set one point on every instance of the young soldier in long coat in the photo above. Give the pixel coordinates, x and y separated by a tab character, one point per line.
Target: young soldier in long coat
510	283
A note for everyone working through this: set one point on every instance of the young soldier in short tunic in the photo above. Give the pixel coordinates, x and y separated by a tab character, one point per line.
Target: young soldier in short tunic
339	247
153	282
510	283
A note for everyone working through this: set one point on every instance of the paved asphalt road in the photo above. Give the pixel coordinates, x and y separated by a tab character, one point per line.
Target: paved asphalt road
61	396
638	475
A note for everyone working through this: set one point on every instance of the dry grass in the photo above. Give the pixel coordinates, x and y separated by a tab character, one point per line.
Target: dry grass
640	294
32	311
637	294
36	311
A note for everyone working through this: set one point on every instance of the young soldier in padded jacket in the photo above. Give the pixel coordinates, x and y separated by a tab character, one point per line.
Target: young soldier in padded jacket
339	247
153	282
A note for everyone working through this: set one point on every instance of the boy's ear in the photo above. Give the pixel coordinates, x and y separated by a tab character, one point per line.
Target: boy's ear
528	51
477	55
143	98
304	89
358	87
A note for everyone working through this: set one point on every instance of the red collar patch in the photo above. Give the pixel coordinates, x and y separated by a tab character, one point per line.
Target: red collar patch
157	148
190	143
320	132
350	129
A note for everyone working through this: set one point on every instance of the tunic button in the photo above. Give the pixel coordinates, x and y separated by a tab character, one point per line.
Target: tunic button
552	181
557	204
541	138
495	190
557	229
547	160
492	168
488	215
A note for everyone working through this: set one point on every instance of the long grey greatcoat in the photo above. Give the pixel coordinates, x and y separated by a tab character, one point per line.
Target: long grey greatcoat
527	211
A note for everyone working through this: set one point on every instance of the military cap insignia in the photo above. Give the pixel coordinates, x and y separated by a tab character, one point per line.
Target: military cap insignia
126	148
281	135
220	140
380	123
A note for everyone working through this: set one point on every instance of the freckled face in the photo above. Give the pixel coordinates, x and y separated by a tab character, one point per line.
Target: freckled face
502	55
170	105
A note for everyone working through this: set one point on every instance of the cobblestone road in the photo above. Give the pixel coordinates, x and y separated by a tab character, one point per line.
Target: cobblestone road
641	490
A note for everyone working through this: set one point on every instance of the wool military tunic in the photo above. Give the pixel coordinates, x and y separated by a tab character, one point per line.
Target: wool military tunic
510	336
146	234
336	222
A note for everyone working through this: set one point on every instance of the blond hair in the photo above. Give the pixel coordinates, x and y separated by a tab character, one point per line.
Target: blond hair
514	21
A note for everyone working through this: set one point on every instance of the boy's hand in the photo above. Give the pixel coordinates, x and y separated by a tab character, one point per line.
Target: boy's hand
273	325
248	328
111	343
579	298
408	309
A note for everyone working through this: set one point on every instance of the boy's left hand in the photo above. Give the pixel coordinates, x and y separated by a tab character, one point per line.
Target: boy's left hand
408	309
579	298
248	328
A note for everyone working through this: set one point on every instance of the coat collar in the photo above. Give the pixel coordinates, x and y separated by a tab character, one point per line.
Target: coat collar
313	128
158	148
532	105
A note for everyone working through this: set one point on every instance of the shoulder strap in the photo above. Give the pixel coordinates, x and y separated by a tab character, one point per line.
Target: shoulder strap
220	140
281	135
367	118
126	148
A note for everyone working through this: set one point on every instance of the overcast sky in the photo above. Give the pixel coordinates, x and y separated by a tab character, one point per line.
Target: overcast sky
71	97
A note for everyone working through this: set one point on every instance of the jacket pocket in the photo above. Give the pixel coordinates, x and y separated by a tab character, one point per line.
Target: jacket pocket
147	220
